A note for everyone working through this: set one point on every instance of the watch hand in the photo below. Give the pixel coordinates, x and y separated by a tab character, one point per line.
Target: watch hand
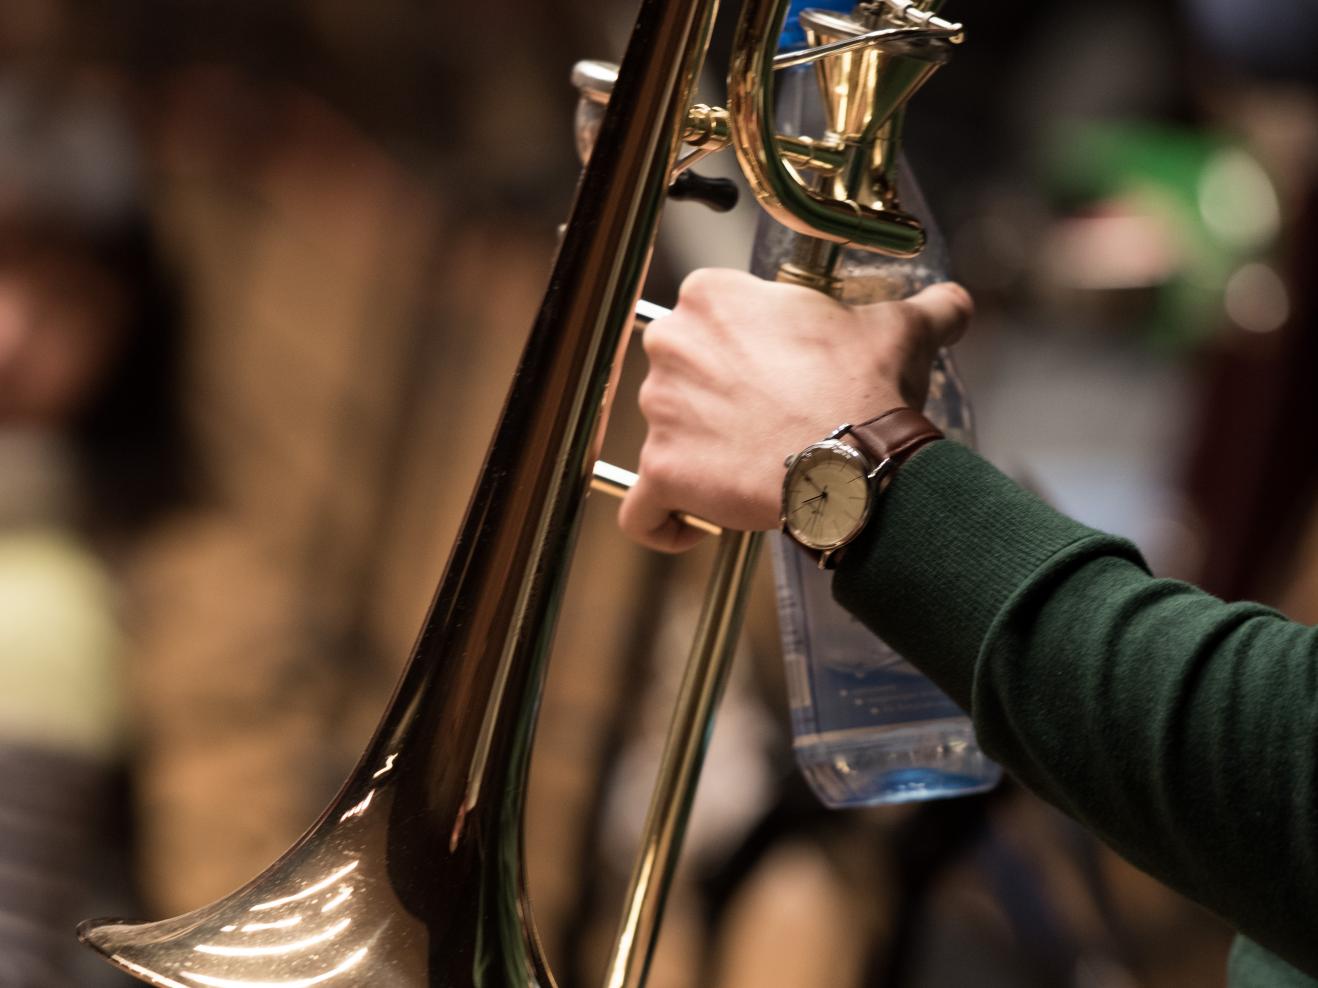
817	514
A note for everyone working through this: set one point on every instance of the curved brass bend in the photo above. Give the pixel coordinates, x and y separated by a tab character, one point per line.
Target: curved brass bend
777	186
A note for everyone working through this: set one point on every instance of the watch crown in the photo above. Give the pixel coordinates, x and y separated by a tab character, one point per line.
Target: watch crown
789	459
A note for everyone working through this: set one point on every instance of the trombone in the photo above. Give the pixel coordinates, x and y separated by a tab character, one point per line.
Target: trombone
414	875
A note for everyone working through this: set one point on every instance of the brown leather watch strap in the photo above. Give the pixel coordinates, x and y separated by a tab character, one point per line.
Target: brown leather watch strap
895	434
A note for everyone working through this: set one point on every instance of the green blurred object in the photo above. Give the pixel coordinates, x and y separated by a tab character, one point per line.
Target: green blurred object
1205	193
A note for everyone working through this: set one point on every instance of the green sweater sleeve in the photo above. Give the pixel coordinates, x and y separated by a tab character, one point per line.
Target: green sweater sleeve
1181	729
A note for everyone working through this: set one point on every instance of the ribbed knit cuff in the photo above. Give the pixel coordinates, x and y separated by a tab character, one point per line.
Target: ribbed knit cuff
1250	966
951	540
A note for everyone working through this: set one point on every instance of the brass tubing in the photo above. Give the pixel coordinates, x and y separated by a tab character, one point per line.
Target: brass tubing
684	753
709	128
780	192
787	60
616	482
646	313
806	152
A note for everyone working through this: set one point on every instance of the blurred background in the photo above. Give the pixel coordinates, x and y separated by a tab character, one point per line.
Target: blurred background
265	270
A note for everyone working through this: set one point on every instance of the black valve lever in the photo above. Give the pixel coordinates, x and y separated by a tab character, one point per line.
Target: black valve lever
719	194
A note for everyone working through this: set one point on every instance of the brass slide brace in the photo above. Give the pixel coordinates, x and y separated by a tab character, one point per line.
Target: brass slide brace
617	481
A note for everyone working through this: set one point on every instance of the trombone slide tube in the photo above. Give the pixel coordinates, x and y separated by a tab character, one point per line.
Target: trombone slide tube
684	754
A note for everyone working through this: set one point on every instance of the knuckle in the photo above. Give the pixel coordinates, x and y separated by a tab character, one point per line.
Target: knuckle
697	284
670	334
703	286
630	520
657	464
660	402
649	398
693	290
658	339
961	301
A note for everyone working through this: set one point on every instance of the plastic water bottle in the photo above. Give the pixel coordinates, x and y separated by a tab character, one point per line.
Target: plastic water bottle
868	728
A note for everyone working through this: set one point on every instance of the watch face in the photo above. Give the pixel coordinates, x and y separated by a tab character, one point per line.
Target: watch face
826	495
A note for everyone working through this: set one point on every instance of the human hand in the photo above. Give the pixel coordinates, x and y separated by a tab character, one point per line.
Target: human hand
746	372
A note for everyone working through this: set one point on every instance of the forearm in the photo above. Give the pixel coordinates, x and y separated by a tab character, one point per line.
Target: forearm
1179	728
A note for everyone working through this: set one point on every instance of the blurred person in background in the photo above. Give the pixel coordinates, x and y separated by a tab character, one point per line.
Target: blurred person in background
92	451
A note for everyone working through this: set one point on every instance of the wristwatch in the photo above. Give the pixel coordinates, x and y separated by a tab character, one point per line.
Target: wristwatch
831	486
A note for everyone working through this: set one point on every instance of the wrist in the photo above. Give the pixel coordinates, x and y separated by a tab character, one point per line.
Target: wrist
830	487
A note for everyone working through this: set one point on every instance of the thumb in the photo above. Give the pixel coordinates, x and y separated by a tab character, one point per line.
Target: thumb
942	310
